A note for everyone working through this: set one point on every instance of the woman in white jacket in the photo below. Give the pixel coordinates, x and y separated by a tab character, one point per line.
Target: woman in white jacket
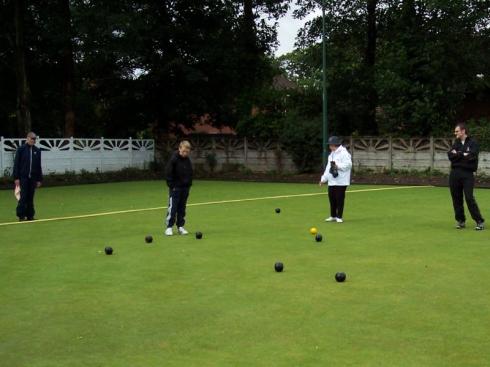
337	174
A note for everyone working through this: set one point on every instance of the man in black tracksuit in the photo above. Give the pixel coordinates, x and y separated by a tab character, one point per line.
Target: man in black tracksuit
464	162
179	181
28	175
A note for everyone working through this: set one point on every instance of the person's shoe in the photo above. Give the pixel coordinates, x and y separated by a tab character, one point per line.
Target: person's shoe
479	226
460	225
182	231
340	220
21	219
169	232
331	219
30	218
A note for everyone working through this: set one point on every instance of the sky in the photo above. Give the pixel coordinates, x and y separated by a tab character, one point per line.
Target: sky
288	29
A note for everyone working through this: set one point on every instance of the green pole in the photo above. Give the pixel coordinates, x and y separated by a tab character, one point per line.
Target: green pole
324	84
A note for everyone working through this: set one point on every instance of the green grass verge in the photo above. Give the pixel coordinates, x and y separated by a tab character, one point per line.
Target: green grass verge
416	294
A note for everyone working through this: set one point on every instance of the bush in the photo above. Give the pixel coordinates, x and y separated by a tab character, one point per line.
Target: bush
212	161
302	139
480	130
86	177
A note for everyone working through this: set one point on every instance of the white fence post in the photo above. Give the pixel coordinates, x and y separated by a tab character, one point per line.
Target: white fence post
432	153
101	153
130	152
1	156
245	150
390	154
72	155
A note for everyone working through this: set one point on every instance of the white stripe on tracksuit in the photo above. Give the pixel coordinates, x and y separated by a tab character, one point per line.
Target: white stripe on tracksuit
169	210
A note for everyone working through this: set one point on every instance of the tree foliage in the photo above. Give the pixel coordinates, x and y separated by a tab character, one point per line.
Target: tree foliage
429	56
140	66
136	63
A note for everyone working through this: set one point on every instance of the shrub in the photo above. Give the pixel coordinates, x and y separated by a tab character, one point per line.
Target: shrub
86	177
212	161
480	129
302	139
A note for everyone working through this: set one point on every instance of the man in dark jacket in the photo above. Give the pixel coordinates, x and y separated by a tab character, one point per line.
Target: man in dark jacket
179	181
464	163
28	175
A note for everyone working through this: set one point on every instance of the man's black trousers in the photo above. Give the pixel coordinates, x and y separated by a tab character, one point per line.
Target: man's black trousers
176	206
25	207
336	196
461	182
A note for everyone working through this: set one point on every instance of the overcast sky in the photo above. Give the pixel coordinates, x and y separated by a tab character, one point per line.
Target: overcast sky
288	29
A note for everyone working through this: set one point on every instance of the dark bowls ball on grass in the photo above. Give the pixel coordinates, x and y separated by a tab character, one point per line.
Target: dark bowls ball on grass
318	237
198	235
149	239
108	250
340	277
278	210
279	267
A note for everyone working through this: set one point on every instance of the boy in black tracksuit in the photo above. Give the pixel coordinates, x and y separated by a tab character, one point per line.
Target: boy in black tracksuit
28	175
179	181
464	162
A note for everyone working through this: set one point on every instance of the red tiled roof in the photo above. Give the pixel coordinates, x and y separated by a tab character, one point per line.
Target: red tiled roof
205	128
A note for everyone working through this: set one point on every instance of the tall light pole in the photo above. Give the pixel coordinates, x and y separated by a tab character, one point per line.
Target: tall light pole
324	85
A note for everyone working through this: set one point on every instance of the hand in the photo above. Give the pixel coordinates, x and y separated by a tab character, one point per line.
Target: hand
320	184
17	182
465	154
38	184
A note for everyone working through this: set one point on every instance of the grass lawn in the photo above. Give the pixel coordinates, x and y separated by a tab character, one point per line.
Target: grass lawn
417	290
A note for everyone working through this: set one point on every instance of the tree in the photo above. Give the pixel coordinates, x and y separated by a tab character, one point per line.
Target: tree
68	69
122	66
413	62
351	53
370	68
191	58
8	82
23	90
429	57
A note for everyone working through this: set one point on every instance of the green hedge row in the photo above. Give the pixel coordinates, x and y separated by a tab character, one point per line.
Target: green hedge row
86	177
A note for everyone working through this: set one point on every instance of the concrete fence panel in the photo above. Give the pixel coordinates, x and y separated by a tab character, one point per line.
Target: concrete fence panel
376	153
76	154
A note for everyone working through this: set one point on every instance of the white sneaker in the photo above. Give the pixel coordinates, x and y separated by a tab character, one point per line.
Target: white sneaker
330	219
182	230
340	220
168	232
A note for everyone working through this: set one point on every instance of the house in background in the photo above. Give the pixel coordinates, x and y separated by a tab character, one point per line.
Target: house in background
205	127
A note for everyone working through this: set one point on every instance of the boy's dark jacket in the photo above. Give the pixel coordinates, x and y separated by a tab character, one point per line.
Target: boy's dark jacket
178	171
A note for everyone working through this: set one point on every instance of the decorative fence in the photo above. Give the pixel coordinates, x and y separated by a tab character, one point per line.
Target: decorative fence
376	153
417	154
231	152
74	154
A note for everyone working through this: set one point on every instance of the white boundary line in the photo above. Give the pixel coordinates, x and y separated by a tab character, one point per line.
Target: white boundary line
201	204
